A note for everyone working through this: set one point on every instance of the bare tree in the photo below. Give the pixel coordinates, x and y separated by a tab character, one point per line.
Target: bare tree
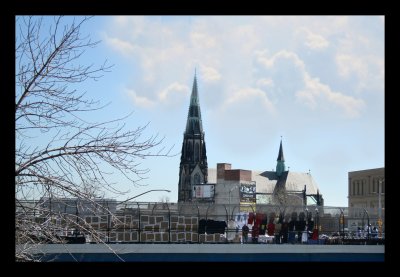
59	154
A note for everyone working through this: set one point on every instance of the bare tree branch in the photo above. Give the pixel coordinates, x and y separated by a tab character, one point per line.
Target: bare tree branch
60	155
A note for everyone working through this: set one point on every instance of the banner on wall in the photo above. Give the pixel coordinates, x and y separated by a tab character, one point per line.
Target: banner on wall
203	191
247	197
248	193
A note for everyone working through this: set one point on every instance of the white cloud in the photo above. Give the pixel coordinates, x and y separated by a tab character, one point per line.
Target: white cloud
352	106
348	64
173	94
202	40
265	82
247	34
219	47
367	69
173	91
312	40
140	101
133	26
315	91
120	45
209	74
283	54
121	20
243	95
249	67
315	41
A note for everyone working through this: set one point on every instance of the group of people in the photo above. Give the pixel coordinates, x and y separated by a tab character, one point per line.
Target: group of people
368	232
283	229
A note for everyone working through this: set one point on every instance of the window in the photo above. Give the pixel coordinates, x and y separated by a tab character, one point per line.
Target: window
189	150
362	187
197	178
196	152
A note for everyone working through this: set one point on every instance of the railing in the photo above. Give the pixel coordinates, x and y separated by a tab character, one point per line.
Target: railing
154	222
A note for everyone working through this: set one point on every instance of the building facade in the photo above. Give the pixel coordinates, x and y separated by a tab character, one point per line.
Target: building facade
366	196
250	187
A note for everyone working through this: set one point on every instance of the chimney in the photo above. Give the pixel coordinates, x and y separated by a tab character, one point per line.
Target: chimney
221	167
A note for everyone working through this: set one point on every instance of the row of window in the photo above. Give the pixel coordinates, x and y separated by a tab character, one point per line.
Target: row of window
359	187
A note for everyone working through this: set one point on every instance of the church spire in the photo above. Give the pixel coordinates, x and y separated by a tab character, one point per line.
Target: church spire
280	155
193	169
194	124
280	161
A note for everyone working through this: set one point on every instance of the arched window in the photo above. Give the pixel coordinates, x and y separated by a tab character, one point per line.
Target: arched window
189	150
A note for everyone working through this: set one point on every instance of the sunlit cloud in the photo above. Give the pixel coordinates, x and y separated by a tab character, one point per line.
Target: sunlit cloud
260	73
314	91
122	46
140	101
173	92
209	74
241	96
314	41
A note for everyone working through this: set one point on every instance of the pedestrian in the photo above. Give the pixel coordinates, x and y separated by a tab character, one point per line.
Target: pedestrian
245	233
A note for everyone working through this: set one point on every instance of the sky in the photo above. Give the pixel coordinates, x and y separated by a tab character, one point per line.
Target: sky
315	81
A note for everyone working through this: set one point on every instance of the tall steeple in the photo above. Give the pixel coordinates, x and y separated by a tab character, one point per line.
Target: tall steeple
194	125
193	169
280	161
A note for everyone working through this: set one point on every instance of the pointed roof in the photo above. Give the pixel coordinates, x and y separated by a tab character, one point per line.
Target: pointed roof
194	124
280	155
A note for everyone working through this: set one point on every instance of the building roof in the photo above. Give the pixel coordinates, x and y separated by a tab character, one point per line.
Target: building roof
267	180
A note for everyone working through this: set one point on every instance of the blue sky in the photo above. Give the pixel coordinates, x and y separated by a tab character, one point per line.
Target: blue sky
316	81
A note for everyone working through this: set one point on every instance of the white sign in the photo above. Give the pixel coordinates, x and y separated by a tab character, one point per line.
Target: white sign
203	191
248	193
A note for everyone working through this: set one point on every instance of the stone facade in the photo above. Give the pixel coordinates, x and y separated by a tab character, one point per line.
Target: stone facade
363	196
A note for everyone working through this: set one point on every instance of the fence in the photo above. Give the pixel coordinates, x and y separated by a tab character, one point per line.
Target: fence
108	221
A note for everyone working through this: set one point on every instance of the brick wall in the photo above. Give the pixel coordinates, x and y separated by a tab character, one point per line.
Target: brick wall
238	175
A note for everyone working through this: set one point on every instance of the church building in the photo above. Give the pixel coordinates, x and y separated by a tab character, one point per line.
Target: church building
223	185
193	168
